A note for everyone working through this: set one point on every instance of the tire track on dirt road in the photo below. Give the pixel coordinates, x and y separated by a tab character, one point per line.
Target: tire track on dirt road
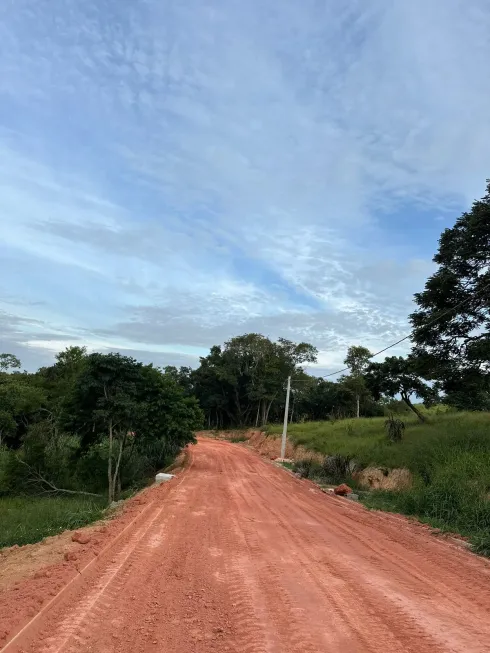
238	555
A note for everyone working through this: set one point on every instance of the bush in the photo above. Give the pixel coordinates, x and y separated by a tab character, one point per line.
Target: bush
238	437
307	468
394	428
337	468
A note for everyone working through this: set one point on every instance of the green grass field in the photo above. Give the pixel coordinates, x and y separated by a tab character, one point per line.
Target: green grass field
449	457
25	520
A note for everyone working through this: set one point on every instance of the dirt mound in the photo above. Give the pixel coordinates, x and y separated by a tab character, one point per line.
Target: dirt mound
378	478
270	447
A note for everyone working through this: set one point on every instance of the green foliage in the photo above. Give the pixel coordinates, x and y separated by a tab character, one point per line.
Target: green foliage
26	520
357	360
244	382
21	404
9	362
423	444
398	376
89	423
129	405
451	325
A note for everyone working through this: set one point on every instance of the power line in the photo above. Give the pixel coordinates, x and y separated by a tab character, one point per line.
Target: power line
438	317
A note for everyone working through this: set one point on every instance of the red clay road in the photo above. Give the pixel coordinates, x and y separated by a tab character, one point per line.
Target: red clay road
238	555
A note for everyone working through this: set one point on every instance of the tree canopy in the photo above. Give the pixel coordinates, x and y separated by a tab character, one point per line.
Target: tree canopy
243	381
451	324
398	376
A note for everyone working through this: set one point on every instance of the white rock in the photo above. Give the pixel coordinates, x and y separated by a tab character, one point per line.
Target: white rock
161	477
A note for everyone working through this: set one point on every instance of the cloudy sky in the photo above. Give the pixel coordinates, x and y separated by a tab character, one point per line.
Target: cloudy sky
176	172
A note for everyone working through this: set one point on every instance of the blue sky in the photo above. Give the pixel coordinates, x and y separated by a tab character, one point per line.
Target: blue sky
176	173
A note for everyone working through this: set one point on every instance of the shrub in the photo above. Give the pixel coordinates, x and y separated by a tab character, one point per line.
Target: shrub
395	428
337	468
306	467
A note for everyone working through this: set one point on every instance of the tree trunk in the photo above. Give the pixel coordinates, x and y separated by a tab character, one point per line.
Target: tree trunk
116	480
257	416
357	406
264	418
109	466
292	412
267	412
406	399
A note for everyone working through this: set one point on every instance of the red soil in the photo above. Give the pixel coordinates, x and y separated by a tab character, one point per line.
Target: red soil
235	554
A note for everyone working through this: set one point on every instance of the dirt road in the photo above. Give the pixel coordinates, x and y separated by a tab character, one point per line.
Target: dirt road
238	555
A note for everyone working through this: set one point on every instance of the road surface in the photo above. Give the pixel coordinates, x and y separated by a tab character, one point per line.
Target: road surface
242	556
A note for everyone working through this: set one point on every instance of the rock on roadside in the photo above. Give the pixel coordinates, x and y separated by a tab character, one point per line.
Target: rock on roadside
342	490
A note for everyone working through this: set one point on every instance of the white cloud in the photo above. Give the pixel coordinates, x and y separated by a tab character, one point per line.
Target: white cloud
172	174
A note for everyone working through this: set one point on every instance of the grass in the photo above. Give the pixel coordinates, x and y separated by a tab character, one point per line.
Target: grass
238	437
25	520
449	457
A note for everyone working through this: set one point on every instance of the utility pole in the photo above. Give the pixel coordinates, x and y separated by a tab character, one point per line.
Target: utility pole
285	427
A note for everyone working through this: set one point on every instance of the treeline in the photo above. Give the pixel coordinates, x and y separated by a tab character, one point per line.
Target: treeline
89	424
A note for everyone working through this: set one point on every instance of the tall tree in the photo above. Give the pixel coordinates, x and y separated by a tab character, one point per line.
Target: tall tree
239	383
9	362
398	376
21	404
357	359
105	404
451	326
129	405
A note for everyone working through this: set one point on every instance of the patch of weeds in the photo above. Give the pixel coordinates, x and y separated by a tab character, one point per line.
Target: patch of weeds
26	520
395	428
307	468
238	437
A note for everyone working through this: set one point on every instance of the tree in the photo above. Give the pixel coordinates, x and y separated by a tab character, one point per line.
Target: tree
105	404
238	384
451	325
8	362
357	359
129	405
397	376
70	361
320	399
21	403
58	381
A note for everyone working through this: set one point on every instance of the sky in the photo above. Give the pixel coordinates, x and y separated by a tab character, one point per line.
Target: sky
175	173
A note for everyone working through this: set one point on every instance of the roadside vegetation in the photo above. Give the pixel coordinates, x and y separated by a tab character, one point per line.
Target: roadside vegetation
78	435
26	520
